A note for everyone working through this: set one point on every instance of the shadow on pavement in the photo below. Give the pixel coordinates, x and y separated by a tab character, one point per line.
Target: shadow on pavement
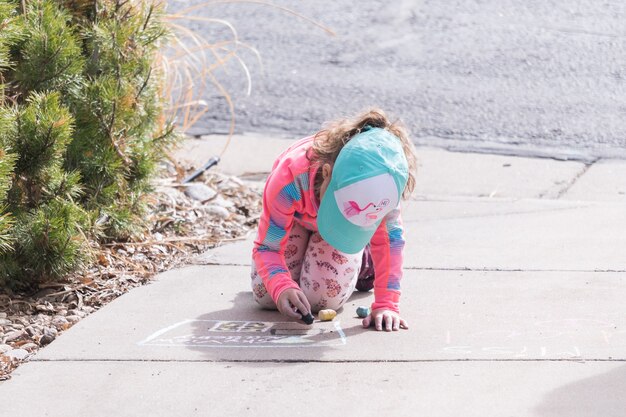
601	395
246	333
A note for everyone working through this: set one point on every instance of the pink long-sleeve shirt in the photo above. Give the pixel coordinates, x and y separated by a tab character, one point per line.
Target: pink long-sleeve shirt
289	197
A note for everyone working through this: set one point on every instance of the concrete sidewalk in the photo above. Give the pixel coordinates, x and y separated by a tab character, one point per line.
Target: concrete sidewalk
514	284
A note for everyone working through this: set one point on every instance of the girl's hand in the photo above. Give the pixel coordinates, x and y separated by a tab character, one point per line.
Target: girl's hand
387	318
292	299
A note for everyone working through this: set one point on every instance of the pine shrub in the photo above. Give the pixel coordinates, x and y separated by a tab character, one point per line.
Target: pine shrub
82	129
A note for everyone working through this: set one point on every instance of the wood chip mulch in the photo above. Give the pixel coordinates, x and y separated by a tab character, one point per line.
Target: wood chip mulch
180	227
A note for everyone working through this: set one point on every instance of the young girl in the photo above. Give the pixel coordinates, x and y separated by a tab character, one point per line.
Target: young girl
331	220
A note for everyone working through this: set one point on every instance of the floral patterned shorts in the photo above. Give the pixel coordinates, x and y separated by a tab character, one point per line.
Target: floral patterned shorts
326	276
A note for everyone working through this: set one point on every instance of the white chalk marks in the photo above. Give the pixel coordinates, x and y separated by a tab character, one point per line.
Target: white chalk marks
246	334
571	338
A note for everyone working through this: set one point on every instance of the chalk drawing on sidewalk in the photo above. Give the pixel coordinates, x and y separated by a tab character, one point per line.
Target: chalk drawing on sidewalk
246	334
563	338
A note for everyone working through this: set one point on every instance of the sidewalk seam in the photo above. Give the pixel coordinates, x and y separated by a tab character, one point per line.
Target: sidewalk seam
573	181
459	268
346	361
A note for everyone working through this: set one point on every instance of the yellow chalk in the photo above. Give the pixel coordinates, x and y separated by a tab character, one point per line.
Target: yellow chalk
327	315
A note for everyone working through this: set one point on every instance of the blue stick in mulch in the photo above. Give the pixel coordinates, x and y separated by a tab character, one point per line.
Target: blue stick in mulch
209	164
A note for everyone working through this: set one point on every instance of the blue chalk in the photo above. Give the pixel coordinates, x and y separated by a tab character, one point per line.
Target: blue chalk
363	311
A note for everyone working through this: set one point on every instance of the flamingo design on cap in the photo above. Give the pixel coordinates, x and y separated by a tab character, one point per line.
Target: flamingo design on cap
351	208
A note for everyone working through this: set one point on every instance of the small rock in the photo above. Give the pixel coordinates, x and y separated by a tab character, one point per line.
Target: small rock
37	328
75	312
172	193
221	201
30	346
43	307
200	192
14	335
50	330
71	299
59	321
19	354
239	218
31	331
62	312
3	315
47	338
5	348
139	257
5	322
171	169
218	211
23	320
73	319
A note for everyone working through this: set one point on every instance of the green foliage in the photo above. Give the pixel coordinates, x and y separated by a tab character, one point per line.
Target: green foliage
43	132
11	31
81	129
50	241
7	161
49	56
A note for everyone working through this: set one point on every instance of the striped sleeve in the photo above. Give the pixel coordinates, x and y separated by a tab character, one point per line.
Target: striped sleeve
387	246
281	198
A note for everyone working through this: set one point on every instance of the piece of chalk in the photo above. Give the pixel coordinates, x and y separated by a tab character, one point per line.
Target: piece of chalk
327	315
363	311
308	319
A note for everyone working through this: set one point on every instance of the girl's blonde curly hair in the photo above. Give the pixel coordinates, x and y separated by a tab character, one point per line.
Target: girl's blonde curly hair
329	141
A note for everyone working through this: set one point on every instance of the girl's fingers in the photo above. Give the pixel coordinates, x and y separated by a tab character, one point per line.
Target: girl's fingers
305	304
293	314
288	311
396	323
378	322
302	309
388	322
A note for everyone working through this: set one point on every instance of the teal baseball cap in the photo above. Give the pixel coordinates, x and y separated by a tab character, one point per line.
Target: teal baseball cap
367	181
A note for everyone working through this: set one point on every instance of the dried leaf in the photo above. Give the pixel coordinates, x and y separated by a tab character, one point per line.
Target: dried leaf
102	259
